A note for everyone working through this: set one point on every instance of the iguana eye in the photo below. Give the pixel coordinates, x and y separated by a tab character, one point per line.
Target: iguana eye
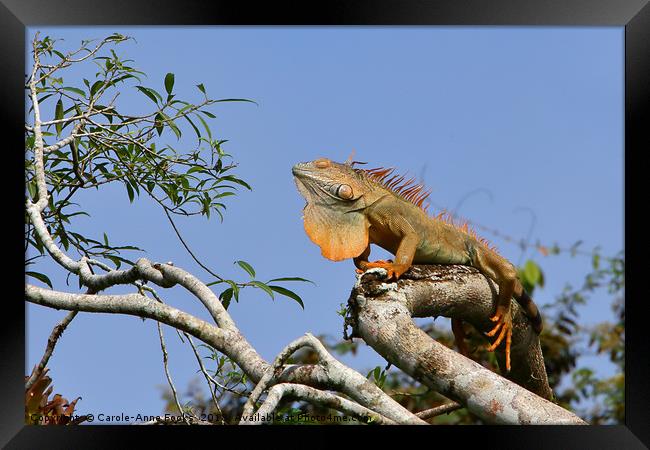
345	191
322	163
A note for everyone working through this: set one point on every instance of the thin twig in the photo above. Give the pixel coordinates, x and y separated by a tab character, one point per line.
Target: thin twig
169	378
171	221
439	410
208	378
56	333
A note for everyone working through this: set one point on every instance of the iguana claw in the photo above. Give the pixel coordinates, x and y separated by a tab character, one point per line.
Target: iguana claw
504	325
393	270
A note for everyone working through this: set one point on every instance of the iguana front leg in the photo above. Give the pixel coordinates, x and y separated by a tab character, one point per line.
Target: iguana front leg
362	263
408	244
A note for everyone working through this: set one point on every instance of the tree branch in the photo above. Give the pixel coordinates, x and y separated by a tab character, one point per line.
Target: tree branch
57	331
316	397
229	341
438	410
374	397
163	348
382	316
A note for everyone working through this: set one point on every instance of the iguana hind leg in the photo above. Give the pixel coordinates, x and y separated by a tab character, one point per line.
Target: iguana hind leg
531	310
505	276
459	336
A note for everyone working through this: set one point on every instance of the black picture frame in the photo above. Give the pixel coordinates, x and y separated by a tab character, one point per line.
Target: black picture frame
634	15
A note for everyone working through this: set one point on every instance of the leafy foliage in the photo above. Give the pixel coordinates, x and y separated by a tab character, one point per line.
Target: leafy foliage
598	400
108	145
167	153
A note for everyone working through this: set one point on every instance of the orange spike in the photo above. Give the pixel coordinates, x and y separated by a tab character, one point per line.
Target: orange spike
463	225
405	188
412	190
394	181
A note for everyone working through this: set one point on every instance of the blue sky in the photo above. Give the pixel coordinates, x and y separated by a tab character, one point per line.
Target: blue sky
518	122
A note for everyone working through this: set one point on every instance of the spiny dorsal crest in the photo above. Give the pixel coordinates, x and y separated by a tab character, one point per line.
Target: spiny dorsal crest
407	189
463	225
417	194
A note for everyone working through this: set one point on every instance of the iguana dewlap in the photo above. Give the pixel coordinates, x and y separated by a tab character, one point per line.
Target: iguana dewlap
349	208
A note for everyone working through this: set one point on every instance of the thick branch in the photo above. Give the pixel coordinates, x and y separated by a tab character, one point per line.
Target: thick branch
231	343
364	390
383	318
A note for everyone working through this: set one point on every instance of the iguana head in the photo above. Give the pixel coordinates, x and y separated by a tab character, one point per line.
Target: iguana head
336	196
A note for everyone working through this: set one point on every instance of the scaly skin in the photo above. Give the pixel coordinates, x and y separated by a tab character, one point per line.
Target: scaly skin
348	209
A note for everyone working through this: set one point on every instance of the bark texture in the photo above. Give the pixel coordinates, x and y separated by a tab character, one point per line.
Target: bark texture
382	316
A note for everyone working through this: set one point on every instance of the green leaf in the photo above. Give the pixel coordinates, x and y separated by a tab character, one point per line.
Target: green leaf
122	78
32	189
148	92
63	237
234	179
95	87
41	277
595	261
263	287
29	142
235	100
169	82
130	192
116	37
41	100
205	125
58	115
201	87
292	279
225	297
171	125
196	130
288	293
247	267
533	273
159	124
115	260
196	169
184	182
75	90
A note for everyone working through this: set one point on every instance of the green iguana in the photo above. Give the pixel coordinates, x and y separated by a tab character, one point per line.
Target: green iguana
349	208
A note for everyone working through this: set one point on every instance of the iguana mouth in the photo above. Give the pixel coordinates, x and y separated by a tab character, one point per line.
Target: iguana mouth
303	175
300	170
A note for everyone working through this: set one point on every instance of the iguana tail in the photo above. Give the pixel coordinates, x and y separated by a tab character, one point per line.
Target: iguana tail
531	310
